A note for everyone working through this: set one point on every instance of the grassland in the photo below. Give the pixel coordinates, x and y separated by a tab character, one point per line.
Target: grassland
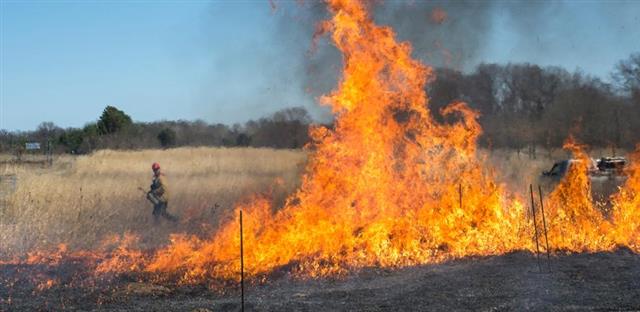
84	200
81	200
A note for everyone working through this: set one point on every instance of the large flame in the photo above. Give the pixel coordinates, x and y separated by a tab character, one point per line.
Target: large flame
575	222
387	186
626	213
390	186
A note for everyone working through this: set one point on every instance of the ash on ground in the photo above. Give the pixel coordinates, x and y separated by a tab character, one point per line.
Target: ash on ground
577	282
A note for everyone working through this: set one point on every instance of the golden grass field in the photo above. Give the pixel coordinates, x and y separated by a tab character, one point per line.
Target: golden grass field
81	200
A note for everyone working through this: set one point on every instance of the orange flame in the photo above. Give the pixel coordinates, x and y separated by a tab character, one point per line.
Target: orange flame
626	214
575	223
388	186
382	188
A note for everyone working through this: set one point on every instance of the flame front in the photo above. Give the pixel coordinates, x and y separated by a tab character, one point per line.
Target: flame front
575	222
626	212
382	188
387	186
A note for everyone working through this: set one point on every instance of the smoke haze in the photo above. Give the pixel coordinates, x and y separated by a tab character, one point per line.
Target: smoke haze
462	34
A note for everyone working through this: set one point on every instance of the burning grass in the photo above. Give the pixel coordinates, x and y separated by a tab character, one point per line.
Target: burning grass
83	201
383	187
388	186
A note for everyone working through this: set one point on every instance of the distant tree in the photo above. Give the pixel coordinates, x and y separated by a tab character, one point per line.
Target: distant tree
445	89
47	130
481	88
530	89
243	140
218	134
113	120
287	128
91	130
47	134
627	74
71	140
292	114
167	137
79	140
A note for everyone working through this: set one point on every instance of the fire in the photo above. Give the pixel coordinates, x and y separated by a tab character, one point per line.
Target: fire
390	186
383	188
575	223
387	186
116	255
123	258
626	215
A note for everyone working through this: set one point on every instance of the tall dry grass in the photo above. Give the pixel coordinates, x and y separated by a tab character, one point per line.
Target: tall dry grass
82	200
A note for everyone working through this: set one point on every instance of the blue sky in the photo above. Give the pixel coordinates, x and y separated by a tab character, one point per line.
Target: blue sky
580	34
226	61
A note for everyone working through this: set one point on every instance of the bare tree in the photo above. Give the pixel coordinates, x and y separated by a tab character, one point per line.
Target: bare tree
627	74
47	130
481	88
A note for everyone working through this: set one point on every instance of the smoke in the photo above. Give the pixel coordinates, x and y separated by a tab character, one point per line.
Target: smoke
442	33
462	34
316	61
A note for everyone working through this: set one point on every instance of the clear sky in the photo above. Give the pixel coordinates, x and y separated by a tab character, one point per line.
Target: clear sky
225	61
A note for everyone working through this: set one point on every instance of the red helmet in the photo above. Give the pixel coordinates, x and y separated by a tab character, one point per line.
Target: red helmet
155	166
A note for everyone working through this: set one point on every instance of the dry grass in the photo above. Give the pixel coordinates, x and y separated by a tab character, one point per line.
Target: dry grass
81	200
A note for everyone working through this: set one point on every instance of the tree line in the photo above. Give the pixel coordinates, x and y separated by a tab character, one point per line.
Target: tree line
521	106
114	129
529	106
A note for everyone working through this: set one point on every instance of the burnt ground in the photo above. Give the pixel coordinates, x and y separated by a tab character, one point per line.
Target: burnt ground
511	282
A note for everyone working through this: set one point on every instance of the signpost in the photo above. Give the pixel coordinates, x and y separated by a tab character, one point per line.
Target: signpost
35	146
30	146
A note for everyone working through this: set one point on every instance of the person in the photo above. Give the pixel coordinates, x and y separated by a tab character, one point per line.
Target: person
159	195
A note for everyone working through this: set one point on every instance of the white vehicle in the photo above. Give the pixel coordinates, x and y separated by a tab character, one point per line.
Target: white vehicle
606	175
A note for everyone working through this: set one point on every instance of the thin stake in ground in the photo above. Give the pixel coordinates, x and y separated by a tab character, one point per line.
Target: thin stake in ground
544	223
241	267
535	227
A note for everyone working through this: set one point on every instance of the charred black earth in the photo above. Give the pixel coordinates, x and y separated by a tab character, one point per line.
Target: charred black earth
511	282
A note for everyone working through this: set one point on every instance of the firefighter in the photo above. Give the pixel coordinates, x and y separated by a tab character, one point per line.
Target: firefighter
159	195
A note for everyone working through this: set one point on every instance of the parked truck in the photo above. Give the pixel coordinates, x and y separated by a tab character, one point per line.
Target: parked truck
606	175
